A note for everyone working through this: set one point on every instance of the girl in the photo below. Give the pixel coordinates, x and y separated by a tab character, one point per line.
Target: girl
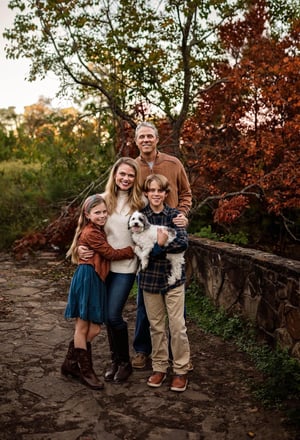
86	301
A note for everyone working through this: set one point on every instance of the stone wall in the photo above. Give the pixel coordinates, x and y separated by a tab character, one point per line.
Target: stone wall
262	287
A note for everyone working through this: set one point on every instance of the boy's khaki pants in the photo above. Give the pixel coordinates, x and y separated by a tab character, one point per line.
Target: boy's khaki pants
167	311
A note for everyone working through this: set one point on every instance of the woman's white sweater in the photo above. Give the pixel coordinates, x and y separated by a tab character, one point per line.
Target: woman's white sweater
118	234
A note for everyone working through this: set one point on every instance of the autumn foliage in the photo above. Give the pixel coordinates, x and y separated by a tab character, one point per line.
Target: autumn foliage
57	235
244	135
240	141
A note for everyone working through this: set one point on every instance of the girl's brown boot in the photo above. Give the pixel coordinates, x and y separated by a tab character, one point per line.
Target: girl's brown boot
70	365
87	374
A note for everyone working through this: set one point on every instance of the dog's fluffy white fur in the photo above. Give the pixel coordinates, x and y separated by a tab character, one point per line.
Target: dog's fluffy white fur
144	235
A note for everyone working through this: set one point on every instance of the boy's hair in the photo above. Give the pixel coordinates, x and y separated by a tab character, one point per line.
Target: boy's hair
161	180
89	203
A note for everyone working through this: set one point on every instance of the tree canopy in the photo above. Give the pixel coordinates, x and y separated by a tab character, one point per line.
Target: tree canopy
221	79
140	56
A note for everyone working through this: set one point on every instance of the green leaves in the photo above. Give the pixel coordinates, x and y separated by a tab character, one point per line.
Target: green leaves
128	51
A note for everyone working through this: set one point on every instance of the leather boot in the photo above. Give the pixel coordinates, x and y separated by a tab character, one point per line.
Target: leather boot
89	352
113	368
122	347
70	365
123	372
111	371
87	375
90	355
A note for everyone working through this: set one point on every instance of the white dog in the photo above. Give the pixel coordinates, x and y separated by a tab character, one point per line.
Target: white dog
144	235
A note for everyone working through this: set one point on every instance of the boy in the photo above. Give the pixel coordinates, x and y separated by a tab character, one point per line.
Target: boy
160	298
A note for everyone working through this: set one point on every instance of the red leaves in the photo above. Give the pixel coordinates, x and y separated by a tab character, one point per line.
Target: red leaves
230	210
58	234
246	130
30	242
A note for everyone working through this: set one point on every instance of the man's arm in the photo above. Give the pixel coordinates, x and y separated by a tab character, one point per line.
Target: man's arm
184	193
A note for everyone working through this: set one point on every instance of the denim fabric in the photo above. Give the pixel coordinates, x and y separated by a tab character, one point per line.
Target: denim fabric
118	286
142	337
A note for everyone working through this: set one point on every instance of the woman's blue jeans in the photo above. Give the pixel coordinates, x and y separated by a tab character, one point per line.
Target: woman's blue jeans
142	338
118	286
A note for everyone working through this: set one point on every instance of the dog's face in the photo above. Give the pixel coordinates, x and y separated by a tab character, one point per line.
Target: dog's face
138	222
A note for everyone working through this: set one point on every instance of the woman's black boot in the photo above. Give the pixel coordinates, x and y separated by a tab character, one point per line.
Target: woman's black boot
120	337
113	368
123	372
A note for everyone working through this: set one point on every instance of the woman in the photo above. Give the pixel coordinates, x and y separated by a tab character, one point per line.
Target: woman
123	196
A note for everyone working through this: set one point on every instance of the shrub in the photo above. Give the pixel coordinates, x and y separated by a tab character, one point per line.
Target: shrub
281	372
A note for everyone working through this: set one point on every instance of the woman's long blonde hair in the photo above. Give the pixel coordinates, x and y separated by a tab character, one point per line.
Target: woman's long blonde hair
89	203
135	194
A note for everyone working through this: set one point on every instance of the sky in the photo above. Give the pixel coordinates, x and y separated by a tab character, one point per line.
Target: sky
15	90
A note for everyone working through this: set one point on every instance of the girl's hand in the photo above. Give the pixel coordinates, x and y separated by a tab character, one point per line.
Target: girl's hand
162	236
181	221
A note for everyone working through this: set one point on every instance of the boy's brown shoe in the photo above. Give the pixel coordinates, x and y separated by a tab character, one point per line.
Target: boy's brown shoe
156	379
179	382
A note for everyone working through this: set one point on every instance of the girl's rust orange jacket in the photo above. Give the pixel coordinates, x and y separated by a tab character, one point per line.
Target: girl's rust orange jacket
95	239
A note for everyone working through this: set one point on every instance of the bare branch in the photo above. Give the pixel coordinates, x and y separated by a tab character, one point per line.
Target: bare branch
285	222
96	84
245	191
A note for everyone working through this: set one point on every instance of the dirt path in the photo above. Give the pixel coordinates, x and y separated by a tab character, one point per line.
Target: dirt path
37	403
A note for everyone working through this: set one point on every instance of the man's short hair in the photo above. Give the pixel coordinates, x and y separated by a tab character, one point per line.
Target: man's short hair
146	124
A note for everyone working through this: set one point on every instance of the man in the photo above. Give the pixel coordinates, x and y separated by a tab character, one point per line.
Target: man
151	161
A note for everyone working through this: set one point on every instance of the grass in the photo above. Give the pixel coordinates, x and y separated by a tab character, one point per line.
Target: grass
281	372
134	290
22	200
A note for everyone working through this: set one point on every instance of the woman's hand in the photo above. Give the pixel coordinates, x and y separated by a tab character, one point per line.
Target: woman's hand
181	221
84	253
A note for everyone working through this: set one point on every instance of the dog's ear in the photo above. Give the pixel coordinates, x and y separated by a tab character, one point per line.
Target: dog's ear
128	224
146	222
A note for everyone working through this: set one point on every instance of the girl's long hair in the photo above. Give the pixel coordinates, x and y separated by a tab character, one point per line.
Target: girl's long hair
135	194
89	203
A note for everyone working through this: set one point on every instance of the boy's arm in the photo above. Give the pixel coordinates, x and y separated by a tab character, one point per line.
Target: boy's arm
180	244
157	250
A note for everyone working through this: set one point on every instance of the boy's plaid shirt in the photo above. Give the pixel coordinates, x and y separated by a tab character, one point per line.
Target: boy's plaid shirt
154	278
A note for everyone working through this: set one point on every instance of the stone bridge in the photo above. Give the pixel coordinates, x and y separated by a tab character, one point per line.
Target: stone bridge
260	286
